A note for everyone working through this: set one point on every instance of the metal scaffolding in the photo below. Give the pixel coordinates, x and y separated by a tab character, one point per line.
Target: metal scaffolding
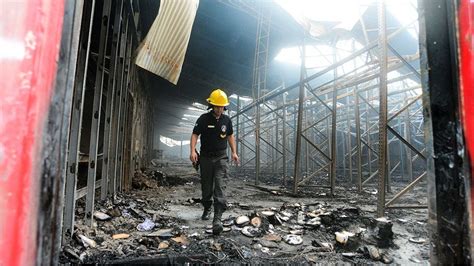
361	128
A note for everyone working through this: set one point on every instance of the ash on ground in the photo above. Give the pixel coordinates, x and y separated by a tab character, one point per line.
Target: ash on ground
158	221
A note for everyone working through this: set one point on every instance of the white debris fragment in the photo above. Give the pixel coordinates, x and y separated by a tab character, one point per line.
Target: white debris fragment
166	232
268	213
101	216
293	239
87	242
374	253
249	231
417	240
343	237
147	225
242	220
314	222
383	220
327	245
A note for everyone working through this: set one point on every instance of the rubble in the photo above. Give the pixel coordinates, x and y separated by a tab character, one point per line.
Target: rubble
162	233
343	237
293	239
384	232
374	253
268	243
163	245
165	221
256	221
242	220
87	242
141	181
386	259
120	236
272	237
417	240
147	225
181	240
326	246
101	216
250	231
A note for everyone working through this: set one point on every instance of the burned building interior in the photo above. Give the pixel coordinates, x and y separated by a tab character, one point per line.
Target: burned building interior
330	118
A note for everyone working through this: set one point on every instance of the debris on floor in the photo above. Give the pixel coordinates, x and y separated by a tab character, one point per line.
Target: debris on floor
160	219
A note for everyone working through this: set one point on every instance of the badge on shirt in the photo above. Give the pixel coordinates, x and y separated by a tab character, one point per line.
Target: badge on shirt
223	128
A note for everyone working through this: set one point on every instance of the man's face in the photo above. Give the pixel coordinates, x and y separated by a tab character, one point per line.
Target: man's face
218	110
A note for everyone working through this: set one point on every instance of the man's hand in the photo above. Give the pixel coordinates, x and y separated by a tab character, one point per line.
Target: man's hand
193	156
235	158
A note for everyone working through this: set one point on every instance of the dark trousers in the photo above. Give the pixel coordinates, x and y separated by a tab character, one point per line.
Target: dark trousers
213	170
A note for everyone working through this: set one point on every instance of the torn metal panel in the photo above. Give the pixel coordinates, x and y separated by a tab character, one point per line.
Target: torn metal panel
163	50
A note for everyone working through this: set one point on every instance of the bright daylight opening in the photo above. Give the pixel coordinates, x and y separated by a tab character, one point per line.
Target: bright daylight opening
315	15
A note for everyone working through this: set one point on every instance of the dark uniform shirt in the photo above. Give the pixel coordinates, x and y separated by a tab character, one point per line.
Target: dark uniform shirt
213	131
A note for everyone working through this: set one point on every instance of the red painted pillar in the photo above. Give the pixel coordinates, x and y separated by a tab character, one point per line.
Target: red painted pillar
466	67
466	44
30	35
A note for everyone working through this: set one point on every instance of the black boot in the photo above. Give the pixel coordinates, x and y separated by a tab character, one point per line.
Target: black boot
217	227
206	214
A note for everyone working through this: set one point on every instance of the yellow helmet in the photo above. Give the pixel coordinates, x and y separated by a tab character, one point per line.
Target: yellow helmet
218	98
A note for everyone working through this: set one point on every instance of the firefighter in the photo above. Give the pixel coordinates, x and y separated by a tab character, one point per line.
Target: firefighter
215	129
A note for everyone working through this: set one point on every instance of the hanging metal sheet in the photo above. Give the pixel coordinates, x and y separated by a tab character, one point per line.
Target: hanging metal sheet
163	50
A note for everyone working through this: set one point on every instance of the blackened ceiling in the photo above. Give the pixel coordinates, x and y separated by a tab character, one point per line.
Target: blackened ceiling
221	53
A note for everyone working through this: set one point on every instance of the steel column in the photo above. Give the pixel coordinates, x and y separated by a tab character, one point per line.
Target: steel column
407	132
122	91
96	112
107	177
383	109
55	137
332	173
284	139
358	140
76	125
299	126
